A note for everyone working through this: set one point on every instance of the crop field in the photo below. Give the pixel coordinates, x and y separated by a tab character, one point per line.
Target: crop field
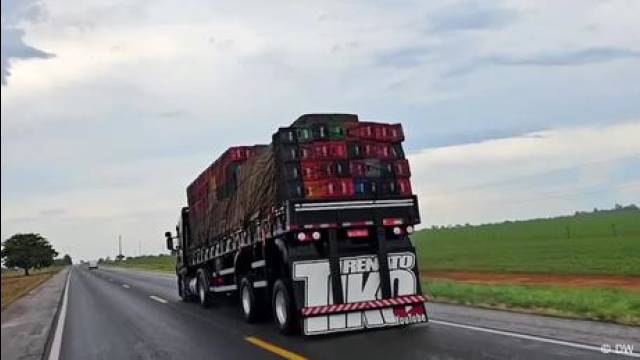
607	242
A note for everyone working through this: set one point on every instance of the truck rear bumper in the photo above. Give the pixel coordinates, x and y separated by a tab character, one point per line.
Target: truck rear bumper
402	310
362	305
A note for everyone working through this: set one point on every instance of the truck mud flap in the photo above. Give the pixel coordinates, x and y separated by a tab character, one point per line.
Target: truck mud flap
347	293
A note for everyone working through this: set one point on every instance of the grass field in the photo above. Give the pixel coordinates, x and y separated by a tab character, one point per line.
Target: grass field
595	243
15	284
161	263
605	304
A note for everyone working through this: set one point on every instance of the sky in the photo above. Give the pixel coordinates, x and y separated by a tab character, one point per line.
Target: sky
511	109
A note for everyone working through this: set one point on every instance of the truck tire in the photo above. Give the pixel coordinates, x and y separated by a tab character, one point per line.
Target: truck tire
204	294
183	290
284	312
248	302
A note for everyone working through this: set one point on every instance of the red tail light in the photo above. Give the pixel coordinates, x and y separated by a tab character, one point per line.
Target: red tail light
357	233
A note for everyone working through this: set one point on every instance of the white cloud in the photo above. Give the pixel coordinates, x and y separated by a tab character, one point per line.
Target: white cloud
538	174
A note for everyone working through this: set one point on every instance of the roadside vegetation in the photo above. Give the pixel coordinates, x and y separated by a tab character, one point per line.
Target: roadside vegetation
160	263
15	284
592	303
28	260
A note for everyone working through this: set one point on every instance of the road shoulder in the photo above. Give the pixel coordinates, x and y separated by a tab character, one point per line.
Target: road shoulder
580	331
27	323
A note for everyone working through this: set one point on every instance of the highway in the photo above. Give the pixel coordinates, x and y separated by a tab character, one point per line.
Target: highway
118	314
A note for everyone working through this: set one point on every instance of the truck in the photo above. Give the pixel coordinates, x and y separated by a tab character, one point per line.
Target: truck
311	230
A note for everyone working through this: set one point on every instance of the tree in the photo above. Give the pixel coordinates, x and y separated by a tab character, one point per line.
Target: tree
27	251
68	260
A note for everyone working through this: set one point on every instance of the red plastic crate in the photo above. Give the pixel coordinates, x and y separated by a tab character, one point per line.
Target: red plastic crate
377	132
331	188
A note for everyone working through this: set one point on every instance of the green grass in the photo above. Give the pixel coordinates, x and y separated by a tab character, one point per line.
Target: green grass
161	263
605	304
591	246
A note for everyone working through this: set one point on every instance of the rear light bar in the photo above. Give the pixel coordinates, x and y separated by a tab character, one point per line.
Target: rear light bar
363	305
357	223
392	221
357	233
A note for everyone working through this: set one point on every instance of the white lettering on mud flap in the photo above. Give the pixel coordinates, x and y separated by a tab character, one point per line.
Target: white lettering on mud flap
360	282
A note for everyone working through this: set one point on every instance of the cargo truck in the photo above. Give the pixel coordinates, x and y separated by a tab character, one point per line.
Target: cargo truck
311	230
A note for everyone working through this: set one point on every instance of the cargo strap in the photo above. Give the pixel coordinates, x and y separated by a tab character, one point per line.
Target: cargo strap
385	280
334	267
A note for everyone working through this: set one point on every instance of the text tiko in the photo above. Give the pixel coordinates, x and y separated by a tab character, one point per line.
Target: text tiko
360	282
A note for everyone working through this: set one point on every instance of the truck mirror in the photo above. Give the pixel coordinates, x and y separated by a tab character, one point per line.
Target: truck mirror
169	240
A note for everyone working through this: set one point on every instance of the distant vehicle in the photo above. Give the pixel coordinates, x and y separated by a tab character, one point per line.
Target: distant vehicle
93	264
313	228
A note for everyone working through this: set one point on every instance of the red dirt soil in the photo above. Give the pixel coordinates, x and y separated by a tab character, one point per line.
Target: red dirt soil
614	281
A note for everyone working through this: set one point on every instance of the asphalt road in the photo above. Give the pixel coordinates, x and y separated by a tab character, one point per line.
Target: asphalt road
115	314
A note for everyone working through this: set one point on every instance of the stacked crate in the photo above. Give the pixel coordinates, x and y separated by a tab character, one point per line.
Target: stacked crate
214	185
335	156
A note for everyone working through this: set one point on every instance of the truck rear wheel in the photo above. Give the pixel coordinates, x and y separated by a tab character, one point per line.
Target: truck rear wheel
248	300
284	312
183	290
204	295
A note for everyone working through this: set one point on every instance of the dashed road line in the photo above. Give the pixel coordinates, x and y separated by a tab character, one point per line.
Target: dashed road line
158	299
286	354
126	286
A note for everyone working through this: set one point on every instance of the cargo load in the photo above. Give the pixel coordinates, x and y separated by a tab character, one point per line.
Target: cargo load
320	156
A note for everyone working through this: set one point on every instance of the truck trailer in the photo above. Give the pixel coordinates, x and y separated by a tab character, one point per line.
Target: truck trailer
311	229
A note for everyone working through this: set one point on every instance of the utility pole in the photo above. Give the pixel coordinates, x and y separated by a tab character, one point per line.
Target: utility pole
120	257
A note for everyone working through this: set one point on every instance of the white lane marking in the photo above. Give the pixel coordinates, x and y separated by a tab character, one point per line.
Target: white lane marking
125	286
56	344
158	299
257	264
528	337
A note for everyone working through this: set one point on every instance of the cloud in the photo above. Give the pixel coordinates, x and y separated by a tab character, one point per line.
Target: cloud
578	57
566	58
405	57
13	45
470	15
539	174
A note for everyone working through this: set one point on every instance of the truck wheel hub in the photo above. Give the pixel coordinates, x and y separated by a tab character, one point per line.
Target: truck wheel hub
246	300
281	308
